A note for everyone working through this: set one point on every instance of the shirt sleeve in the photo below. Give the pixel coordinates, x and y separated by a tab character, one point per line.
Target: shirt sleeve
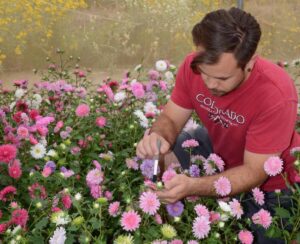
271	131
180	94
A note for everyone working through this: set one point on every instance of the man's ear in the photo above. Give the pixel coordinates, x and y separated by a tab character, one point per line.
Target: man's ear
251	62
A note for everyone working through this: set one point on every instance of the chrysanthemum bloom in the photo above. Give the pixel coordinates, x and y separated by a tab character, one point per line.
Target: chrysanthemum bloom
15	171
149	202
168	231
37	191
96	191
67	201
158	219
94	177
101	121
202	210
217	161
222	186
259	196
192	242
161	65
153	74
262	217
194	170
122	239
168	175
236	208
113	208
82	110
273	165
3	227
175	209
131	164
201	227
190	143
147	168
22	132
59	236
138	89
19	217
7	192
245	237
8	152
209	167
130	220
38	151
214	216
177	241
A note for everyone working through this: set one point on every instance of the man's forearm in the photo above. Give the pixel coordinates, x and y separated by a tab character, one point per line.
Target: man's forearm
241	179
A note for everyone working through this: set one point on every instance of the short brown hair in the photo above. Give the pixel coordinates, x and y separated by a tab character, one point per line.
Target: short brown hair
233	31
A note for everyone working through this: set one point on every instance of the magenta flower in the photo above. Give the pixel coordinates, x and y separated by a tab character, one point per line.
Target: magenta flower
273	166
236	208
245	237
20	217
113	209
82	110
37	191
130	220
259	196
8	152
67	201
149	202
14	171
222	186
202	210
101	121
201	227
7	192
262	217
190	143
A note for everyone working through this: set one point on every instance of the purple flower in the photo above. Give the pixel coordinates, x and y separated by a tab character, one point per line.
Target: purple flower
51	165
175	209
147	168
194	170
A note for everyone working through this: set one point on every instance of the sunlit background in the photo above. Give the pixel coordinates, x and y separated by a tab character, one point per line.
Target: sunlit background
111	36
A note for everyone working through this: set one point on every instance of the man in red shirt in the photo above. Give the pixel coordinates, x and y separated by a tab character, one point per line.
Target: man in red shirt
247	104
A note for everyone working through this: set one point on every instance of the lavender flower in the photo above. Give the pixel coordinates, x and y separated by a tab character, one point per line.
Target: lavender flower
194	170
175	209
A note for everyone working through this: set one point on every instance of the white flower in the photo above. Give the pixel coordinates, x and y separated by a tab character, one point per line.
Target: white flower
133	81
19	93
60	218
224	206
43	141
138	113
149	107
78	196
144	123
16	229
52	153
38	151
120	96
12	105
221	224
161	65
190	125
224	217
169	76
37	97
59	236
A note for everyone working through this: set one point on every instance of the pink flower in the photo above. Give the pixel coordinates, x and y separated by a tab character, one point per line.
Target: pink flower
130	220
101	121
131	164
158	219
113	209
202	210
5	193
37	191
190	143
137	89
214	216
209	167
67	201
46	172
14	205
14	171
20	217
245	237
94	177
8	152
33	140
259	196
222	186
82	110
217	161
176	241
273	165
192	242
108	195
168	175
22	131
201	227
3	227
96	191
262	217
149	202
236	208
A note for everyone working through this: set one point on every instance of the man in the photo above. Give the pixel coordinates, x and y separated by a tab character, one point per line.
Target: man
247	104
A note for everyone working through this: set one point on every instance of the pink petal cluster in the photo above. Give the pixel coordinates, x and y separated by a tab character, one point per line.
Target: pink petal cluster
201	227
222	186
262	217
14	169
202	210
7	191
82	110
131	164
138	89
113	208
259	196
236	208
130	220
176	241
66	201
37	191
8	152
168	175
245	237
218	161
94	177
20	217
101	121
273	166
190	143
149	202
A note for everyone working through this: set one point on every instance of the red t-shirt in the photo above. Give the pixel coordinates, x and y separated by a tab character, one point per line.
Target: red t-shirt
259	116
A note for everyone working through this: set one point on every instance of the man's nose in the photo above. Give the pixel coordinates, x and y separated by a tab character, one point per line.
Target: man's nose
211	83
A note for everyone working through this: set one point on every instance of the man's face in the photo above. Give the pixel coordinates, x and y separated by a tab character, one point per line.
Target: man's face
222	77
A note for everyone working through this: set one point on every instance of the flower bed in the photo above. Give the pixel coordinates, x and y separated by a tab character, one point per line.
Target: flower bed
69	172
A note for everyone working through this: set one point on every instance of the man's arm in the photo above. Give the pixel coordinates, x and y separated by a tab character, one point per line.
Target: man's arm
166	128
242	178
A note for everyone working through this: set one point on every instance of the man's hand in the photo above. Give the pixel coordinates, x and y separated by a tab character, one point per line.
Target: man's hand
147	147
175	189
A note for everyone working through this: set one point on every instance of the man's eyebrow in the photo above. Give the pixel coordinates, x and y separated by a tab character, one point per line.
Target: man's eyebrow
221	78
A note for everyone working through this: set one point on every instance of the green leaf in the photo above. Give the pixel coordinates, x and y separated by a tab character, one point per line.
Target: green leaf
282	213
42	223
36	239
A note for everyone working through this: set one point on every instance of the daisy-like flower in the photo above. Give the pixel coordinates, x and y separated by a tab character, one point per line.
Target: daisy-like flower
8	152
245	237
120	96
82	110
236	208
130	220
38	151
161	65
259	196
194	170
217	161
263	218
113	209
190	143
169	76
60	218
201	227
209	167
202	210
222	186
20	217
94	177
149	107
124	239
59	236
273	166
175	209
168	231
149	202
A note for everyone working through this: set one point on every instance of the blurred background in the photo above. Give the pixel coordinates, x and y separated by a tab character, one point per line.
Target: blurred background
111	36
